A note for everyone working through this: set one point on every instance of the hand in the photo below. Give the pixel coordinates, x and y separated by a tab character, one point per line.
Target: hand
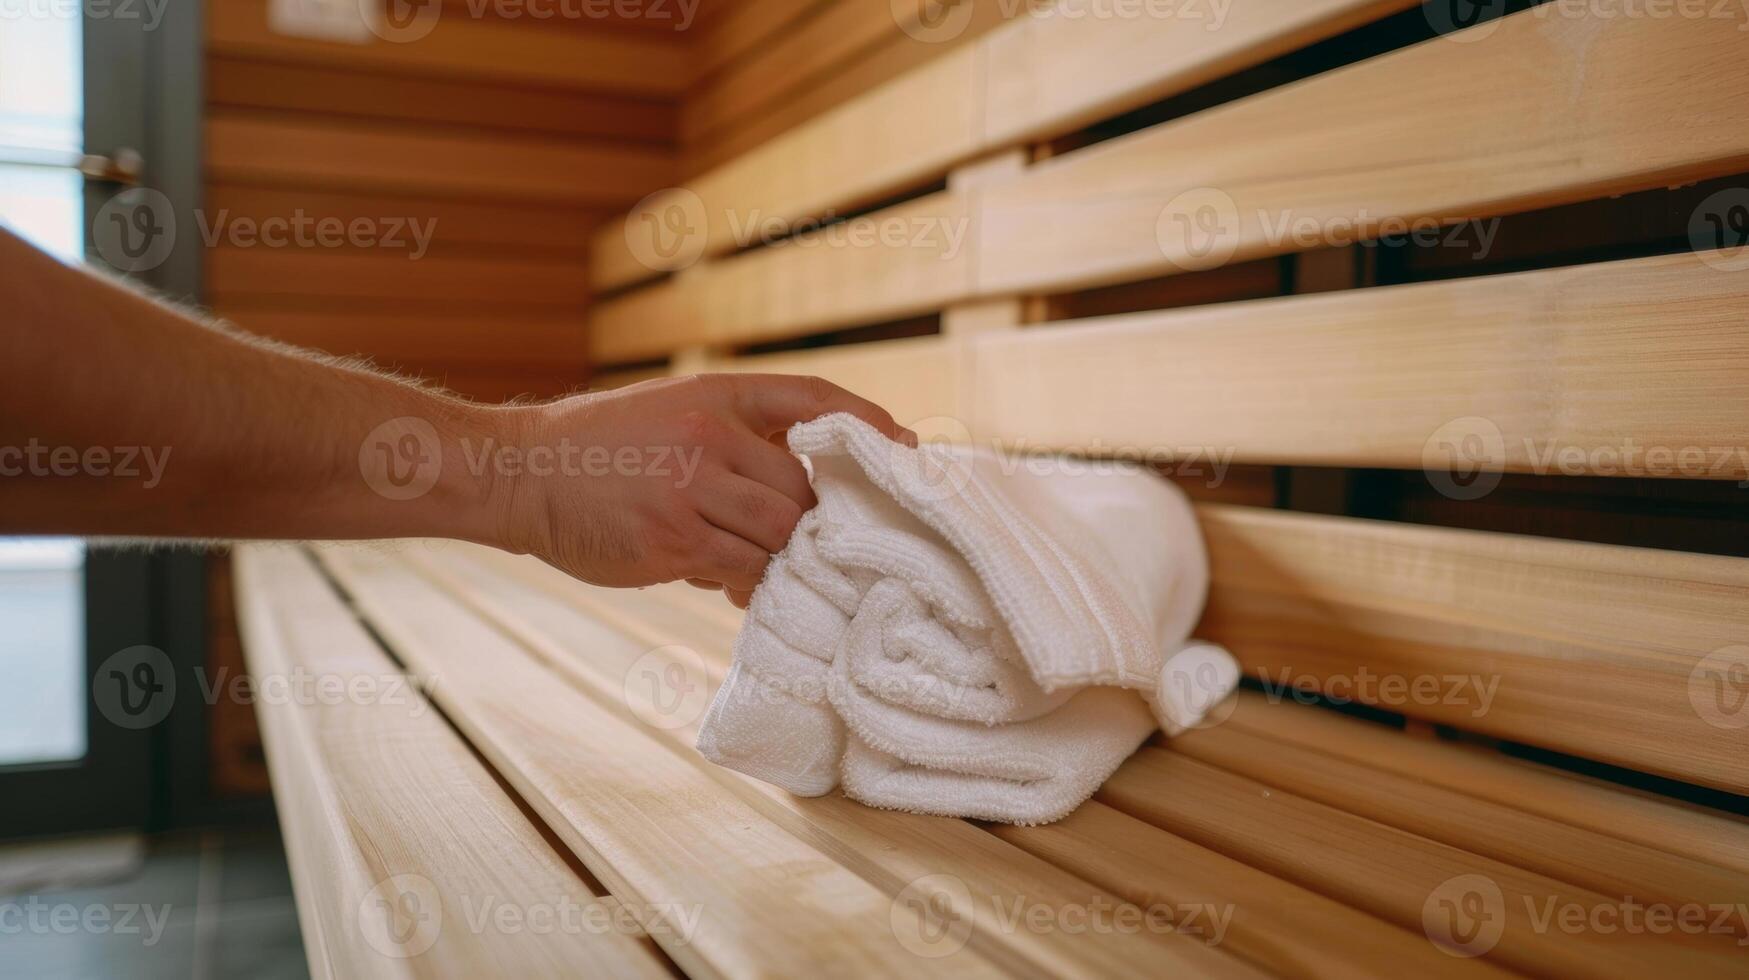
681	478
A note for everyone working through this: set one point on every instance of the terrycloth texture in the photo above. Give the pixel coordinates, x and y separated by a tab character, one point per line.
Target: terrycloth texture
954	633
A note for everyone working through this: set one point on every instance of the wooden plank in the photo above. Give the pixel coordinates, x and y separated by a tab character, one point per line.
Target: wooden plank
977	97
1049	76
1276	924
1547	111
644	818
264	274
1586	858
919	379
894	850
468	48
485	341
1595	650
837	276
1399	876
236	83
251	148
744	26
1705	835
504	229
1572	369
372	789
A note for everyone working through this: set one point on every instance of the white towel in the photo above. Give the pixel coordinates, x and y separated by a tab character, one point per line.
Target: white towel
957	633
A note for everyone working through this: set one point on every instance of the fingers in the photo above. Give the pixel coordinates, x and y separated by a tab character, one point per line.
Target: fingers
771	403
728	558
748	509
741	599
705	584
773	466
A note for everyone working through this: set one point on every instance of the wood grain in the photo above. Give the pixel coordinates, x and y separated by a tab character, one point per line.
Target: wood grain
1595	650
985	95
646	819
1393	874
370	791
1543	111
250	148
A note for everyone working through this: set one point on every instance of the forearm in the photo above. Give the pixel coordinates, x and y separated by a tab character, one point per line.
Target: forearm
122	416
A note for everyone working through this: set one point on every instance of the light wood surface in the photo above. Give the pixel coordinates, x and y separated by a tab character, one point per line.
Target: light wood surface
592	635
1584	648
373	788
1282	927
1637	367
1542	111
985	95
1391	873
1643	818
646	819
1587	858
1568	370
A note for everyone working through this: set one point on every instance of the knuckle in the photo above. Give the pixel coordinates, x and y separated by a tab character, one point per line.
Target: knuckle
818	388
700	427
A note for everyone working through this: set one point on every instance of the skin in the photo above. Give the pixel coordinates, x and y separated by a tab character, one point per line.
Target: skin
681	478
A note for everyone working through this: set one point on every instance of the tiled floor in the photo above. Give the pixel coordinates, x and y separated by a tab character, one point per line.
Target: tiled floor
210	905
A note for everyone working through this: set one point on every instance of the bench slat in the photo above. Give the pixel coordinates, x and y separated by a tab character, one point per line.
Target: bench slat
1588	859
564	618
1286	929
644	818
1705	835
1598	359
1594	650
981	97
1545	110
371	791
1391	873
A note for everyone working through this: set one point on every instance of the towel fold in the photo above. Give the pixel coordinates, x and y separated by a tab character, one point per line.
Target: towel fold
957	633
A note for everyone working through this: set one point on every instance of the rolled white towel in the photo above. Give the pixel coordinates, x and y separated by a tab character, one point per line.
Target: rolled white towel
954	633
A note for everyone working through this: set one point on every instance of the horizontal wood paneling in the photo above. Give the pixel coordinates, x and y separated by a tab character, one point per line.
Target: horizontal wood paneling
1576	370
260	275
453	226
792	287
349	156
1593	650
240	83
1534	366
978	97
638	63
742	28
1542	111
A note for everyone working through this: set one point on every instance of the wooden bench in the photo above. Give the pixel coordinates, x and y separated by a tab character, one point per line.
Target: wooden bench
533	804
